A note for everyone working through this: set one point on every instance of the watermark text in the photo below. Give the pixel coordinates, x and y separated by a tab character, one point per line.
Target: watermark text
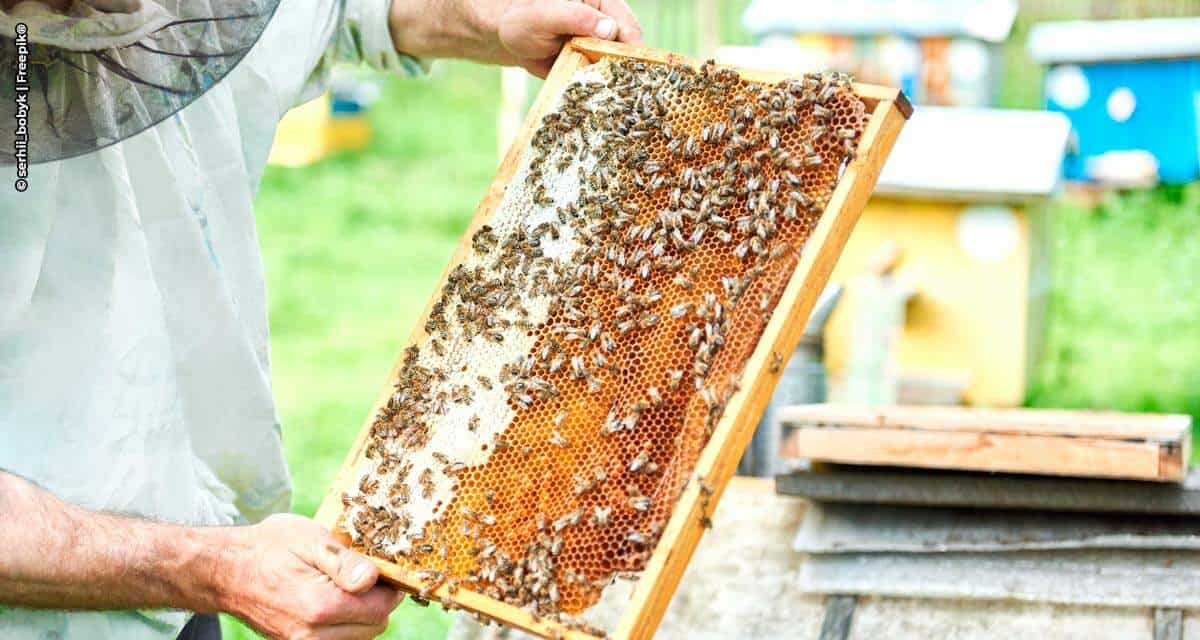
21	87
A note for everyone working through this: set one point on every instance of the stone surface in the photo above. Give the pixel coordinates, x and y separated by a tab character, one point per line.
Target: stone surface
1107	577
838	528
885	485
1168	624
919	619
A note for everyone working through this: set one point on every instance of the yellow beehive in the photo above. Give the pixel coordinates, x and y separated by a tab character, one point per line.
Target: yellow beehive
962	199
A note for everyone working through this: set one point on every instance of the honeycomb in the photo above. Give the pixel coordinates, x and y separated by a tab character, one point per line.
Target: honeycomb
576	362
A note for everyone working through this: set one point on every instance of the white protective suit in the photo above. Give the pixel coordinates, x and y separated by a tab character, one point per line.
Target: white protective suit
134	368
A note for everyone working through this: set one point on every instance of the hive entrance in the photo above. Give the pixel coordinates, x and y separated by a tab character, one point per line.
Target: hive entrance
573	367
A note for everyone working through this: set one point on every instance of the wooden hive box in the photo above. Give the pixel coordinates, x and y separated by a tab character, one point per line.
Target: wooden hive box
727	430
1086	444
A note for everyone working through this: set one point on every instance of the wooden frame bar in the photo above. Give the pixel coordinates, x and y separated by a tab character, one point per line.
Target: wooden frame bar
888	109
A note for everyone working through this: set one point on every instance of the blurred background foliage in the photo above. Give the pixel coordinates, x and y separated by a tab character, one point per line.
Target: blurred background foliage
354	244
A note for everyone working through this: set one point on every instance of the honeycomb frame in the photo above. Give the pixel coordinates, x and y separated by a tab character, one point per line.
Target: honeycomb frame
886	111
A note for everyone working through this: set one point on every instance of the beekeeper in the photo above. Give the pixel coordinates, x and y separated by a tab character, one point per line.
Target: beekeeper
138	436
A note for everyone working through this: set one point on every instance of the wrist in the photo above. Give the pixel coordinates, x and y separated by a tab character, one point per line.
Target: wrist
210	565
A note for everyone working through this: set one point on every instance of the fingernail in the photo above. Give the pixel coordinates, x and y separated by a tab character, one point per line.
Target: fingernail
359	573
606	28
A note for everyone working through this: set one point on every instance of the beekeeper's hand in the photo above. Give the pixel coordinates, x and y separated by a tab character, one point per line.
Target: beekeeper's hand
528	33
288	578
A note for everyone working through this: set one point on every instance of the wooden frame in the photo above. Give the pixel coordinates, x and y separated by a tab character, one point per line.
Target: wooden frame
1039	441
888	109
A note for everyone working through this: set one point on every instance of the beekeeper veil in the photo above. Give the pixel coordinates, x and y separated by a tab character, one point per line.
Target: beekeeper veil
89	73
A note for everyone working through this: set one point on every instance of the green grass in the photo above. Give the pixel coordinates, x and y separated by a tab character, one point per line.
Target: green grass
354	244
1124	317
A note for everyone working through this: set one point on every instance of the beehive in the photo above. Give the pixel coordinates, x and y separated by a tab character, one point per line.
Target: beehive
582	383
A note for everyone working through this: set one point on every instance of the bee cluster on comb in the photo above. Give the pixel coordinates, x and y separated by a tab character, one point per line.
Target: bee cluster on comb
575	363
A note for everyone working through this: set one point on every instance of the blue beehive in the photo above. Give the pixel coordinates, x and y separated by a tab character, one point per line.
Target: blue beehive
1131	89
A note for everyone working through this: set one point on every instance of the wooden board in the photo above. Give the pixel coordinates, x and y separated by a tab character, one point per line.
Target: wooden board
888	109
1049	442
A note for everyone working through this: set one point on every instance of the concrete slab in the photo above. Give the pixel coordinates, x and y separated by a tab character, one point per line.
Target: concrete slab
918	619
838	528
884	485
1100	577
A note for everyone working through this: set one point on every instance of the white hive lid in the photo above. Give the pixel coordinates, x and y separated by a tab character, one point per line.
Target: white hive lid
1097	40
977	154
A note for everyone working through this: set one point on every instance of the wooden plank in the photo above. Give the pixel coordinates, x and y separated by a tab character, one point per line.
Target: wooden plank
1096	424
1049	455
839	614
719	459
1168	624
1041	441
973	490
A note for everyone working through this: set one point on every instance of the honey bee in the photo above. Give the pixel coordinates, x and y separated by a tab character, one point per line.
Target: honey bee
582	485
368	484
682	309
776	362
559	440
569	520
600	516
426	482
826	93
639	462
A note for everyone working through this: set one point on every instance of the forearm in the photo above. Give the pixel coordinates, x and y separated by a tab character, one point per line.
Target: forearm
447	29
56	555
